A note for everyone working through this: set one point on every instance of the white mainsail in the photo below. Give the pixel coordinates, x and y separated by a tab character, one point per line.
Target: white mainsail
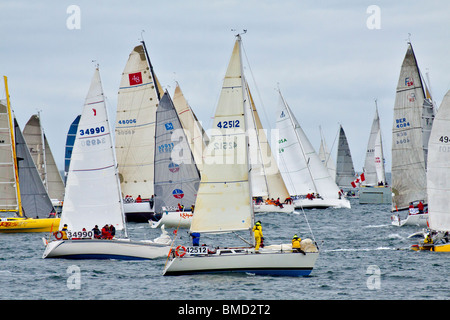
345	172
413	118
438	171
8	186
374	163
176	175
92	189
300	166
43	157
138	99
223	201
198	139
325	157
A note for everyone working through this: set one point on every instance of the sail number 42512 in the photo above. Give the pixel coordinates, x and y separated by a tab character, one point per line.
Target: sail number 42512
228	124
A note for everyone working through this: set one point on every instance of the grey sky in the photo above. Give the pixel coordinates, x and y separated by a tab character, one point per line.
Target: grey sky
329	65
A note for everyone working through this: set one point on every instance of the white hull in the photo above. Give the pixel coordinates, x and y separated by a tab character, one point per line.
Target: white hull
263	208
105	249
416	219
135	207
321	203
173	220
266	262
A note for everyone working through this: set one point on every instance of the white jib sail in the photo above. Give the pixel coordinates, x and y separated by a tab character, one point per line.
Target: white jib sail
92	188
374	163
438	174
223	199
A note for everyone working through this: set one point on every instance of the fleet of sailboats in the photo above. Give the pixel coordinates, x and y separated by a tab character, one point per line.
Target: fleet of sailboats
161	155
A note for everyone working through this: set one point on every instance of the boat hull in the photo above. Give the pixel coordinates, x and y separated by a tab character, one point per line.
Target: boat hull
105	249
432	247
15	225
375	195
413	219
138	211
245	260
265	208
318	203
173	220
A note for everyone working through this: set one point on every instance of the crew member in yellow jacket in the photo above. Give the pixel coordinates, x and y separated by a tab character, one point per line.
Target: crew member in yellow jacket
296	244
257	231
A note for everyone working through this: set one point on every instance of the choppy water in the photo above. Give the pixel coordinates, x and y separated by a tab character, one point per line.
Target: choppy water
354	243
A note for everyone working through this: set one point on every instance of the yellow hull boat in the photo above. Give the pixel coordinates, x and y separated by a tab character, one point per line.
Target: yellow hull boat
432	247
14	225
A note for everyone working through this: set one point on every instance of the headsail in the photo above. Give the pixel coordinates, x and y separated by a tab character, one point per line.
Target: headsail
70	140
223	201
92	189
413	118
176	175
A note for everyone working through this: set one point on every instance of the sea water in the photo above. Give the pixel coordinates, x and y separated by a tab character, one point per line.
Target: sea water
362	257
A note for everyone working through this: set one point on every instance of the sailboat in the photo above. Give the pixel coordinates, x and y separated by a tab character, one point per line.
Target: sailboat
70	140
269	190
177	177
325	156
345	172
22	190
224	200
93	194
374	189
438	184
138	99
413	118
307	179
43	159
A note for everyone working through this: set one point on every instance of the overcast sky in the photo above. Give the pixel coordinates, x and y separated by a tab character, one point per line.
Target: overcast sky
331	59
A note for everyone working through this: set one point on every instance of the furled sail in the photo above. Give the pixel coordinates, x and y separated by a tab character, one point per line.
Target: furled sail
176	175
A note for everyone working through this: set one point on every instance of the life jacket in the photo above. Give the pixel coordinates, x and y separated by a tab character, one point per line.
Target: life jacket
296	243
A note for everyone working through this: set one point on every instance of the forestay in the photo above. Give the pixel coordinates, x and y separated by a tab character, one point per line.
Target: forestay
92	189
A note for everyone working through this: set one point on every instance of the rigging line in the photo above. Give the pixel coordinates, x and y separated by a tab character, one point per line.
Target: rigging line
256	86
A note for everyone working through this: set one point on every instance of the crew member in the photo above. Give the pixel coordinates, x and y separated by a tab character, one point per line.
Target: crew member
257	231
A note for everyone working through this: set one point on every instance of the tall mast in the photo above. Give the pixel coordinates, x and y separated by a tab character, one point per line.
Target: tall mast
13	145
44	160
151	70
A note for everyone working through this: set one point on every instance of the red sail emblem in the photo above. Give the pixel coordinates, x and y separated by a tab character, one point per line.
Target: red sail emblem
135	78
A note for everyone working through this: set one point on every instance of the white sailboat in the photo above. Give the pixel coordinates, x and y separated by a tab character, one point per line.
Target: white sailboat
224	201
177	177
306	178
93	194
374	188
43	159
413	118
138	98
325	156
438	184
22	190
